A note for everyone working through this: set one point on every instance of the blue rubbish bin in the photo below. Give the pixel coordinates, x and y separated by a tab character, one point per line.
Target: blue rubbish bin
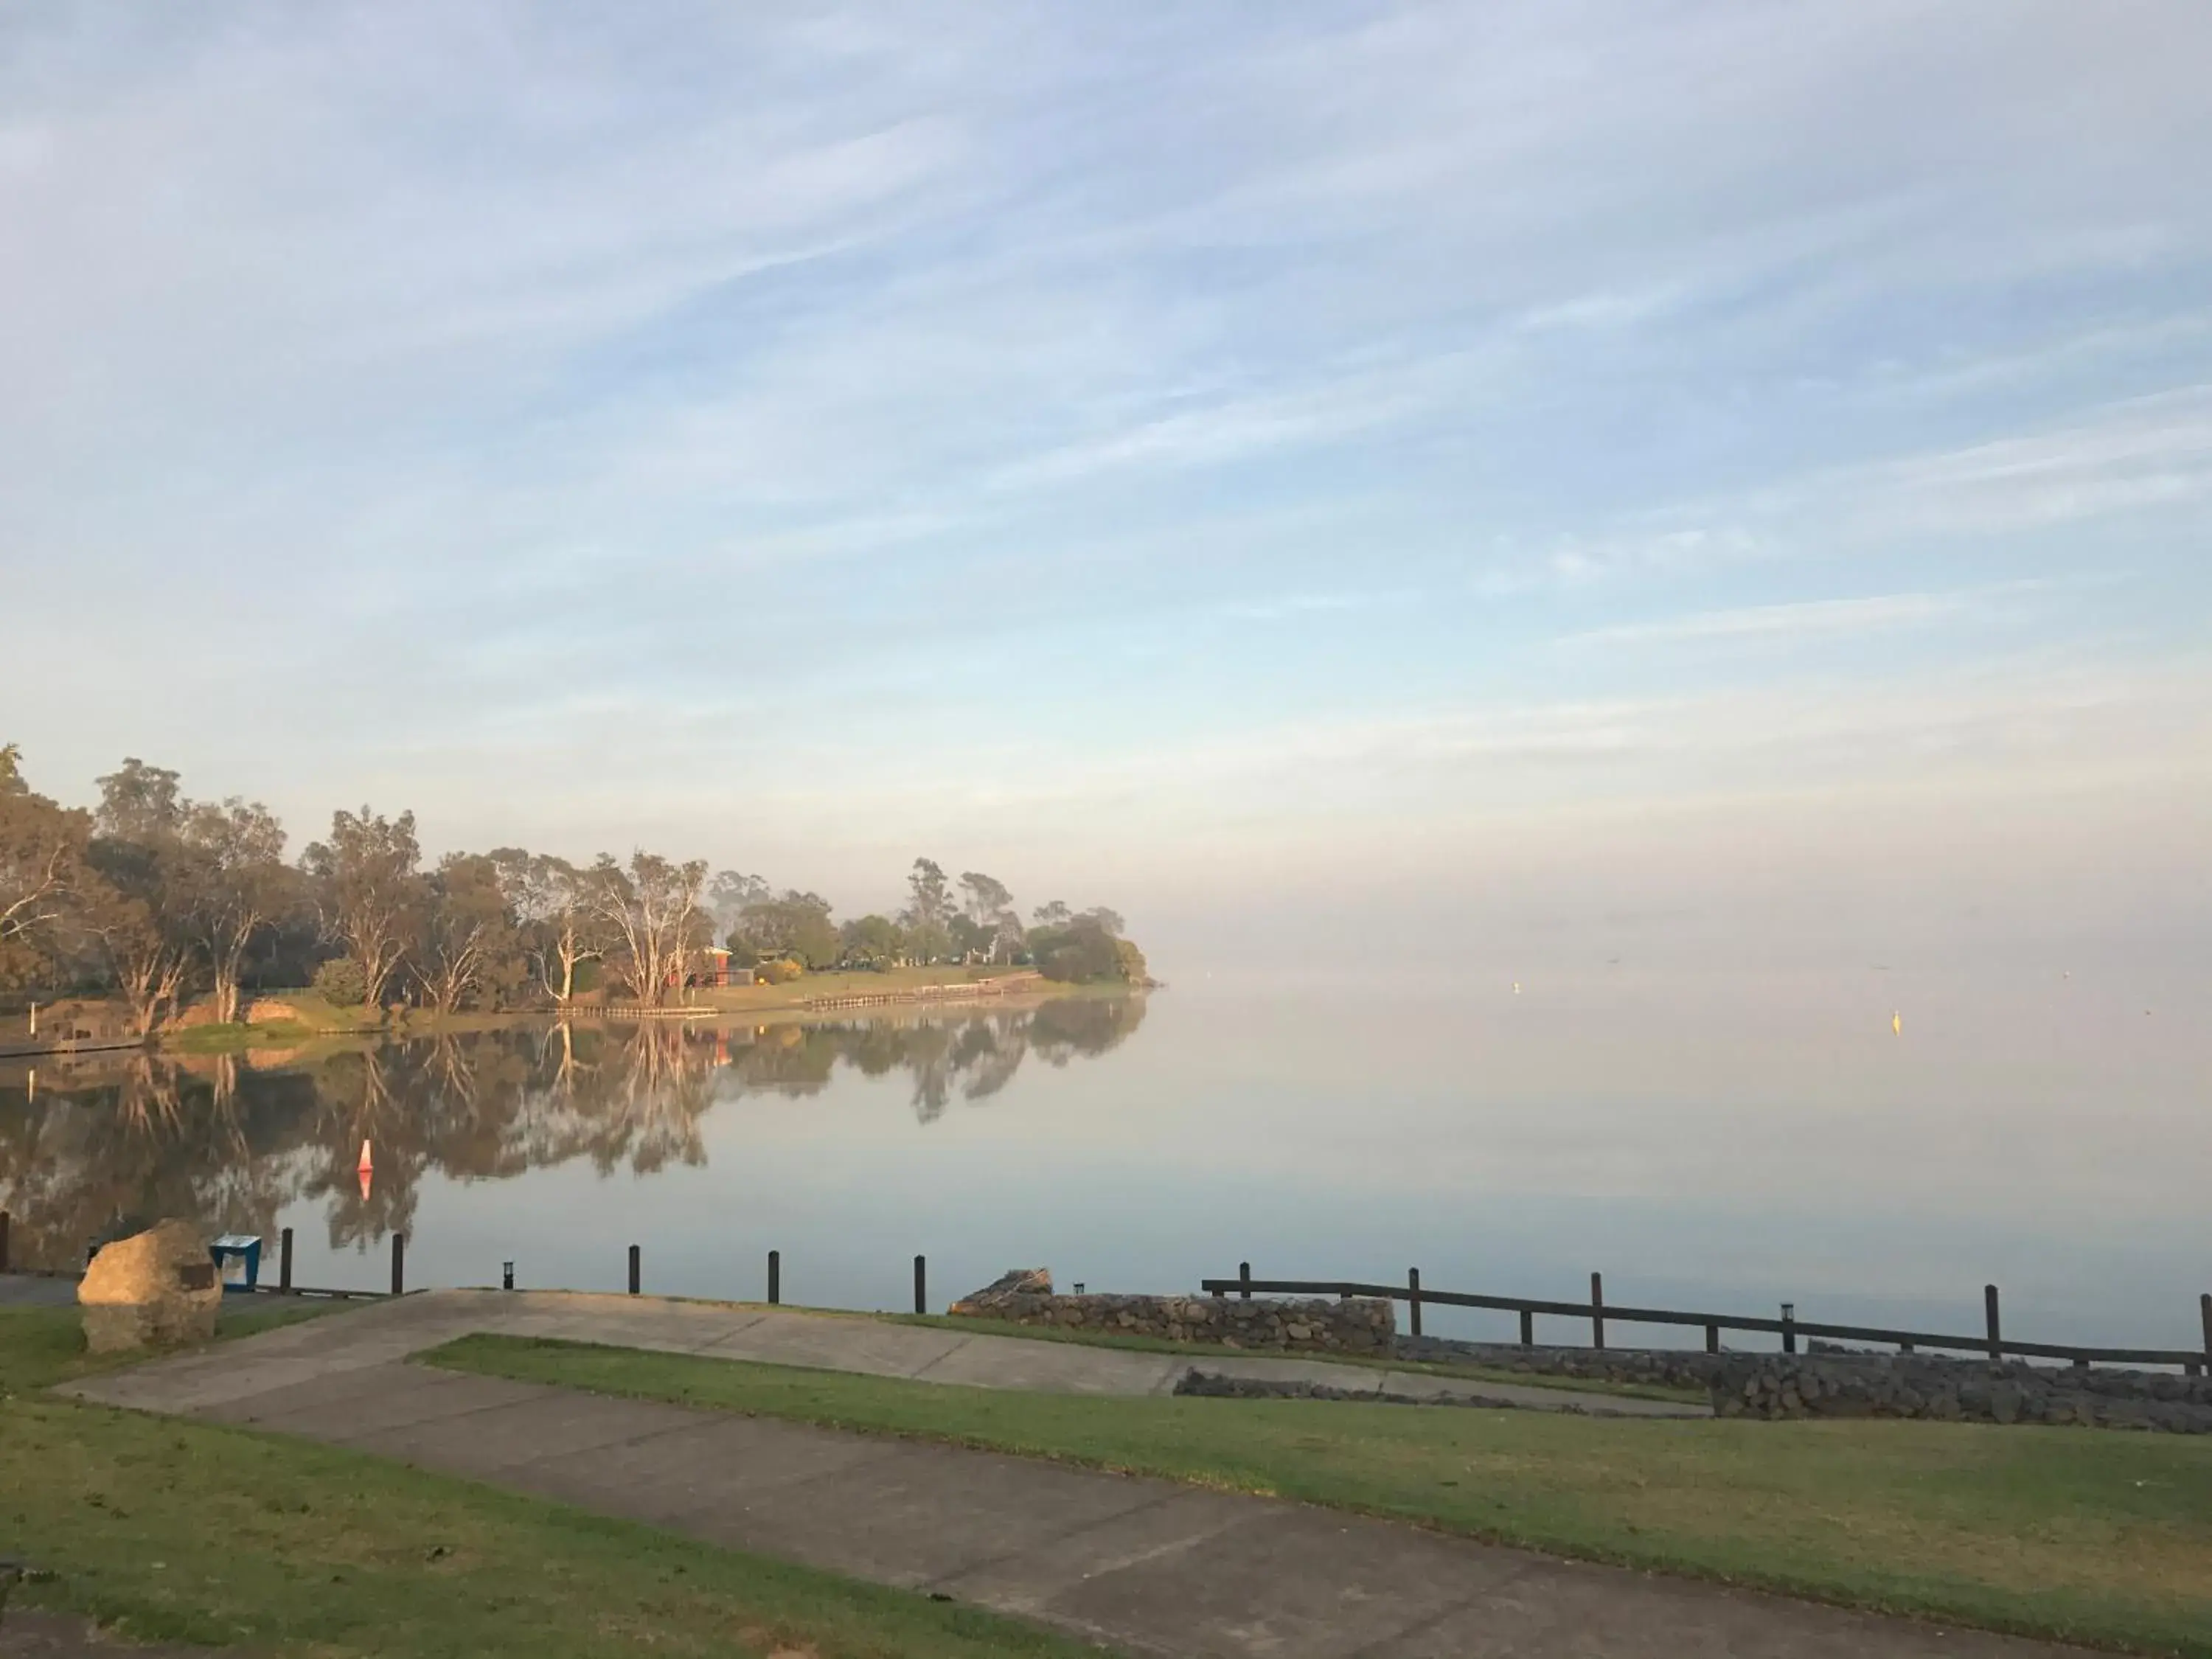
237	1258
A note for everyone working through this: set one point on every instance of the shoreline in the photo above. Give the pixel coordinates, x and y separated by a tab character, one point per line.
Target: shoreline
828	998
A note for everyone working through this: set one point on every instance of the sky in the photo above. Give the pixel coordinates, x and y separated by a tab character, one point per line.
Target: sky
1322	478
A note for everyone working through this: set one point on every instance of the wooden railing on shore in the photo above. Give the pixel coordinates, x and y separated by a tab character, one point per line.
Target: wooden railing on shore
964	991
637	1011
1597	1311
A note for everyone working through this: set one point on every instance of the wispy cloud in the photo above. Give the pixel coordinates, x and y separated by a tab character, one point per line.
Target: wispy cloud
915	411
1804	618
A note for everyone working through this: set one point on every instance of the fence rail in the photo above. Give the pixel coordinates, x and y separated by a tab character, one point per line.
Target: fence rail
961	991
1597	1311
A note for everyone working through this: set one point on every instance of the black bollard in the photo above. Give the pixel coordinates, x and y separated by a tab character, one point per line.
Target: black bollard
1597	1311
1789	1327
1990	1312
399	1264
506	1275
1527	1328
284	1260
3	1240
634	1274
1244	1275
1413	1297
921	1285
774	1277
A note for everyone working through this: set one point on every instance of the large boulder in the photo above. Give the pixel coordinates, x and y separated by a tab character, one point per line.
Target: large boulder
158	1286
998	1296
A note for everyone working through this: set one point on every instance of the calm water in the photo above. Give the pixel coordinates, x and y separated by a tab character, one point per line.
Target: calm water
1704	1141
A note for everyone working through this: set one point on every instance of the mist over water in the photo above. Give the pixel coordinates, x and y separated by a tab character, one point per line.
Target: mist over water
1721	1142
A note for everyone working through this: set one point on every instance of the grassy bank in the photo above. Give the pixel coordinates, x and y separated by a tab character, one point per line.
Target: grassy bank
182	1532
318	1023
1199	1353
2089	1536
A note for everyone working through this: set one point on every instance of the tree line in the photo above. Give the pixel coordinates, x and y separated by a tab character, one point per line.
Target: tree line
159	899
104	1154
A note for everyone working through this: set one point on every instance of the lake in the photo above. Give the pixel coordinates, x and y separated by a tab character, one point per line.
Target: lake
1721	1142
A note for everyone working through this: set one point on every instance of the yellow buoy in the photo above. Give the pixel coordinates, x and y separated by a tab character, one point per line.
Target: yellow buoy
1897	1024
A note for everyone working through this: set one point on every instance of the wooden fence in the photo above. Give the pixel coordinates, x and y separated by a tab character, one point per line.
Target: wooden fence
965	991
1596	1311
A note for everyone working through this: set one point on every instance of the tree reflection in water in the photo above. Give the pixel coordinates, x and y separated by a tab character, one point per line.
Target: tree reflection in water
123	1141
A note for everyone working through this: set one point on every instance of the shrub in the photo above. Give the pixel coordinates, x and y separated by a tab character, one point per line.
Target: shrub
341	982
780	972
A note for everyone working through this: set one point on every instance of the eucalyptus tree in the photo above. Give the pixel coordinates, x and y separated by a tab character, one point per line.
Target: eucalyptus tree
42	860
928	913
871	941
469	950
369	892
137	910
655	913
990	907
790	924
233	887
559	925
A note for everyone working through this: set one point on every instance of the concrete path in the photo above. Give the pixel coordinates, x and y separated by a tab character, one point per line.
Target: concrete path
37	1291
782	1336
1144	1566
25	1634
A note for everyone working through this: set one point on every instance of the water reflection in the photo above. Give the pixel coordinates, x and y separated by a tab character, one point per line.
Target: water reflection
110	1147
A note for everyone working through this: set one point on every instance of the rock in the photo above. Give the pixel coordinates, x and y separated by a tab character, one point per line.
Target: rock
993	1299
156	1287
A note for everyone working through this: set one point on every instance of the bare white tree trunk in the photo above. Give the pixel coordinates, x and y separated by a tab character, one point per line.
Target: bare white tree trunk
453	969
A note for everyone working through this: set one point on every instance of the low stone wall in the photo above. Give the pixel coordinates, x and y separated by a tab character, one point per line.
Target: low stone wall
1665	1367
1960	1390
1357	1325
1829	1381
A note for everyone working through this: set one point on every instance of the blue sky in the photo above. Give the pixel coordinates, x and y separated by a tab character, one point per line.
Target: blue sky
1186	455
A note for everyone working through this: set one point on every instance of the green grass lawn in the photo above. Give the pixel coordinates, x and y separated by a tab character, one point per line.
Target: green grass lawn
173	1531
1201	1351
2091	1536
851	983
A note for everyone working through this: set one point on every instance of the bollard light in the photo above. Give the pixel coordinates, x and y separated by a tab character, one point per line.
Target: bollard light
506	1275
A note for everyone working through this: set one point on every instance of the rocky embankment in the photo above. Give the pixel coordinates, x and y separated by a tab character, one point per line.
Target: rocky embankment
1829	1381
1355	1325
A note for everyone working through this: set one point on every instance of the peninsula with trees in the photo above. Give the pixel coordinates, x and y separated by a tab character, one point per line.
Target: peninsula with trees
172	911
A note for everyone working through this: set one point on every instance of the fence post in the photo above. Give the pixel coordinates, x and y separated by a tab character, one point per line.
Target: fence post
921	1285
284	1260
1597	1311
399	1264
1527	1328
1712	1339
1989	1311
1789	1327
1413	1296
774	1277
3	1240
634	1274
1244	1275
